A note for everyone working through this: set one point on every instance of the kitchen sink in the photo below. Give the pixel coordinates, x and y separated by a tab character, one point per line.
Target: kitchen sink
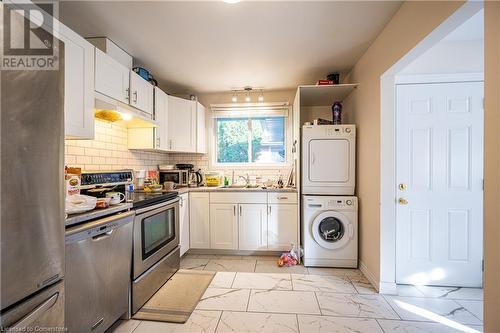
241	186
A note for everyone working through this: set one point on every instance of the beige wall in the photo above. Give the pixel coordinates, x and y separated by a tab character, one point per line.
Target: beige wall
492	167
407	28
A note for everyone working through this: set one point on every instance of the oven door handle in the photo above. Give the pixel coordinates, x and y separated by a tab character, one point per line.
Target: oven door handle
160	205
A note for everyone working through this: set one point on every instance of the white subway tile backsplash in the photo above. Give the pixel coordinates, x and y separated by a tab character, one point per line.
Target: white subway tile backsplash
108	151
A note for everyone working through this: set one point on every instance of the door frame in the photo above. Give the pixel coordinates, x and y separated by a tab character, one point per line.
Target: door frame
388	82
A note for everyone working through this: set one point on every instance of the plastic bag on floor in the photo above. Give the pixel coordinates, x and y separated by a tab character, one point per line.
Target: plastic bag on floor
289	258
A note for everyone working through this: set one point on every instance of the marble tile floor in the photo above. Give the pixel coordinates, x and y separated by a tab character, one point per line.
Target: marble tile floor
252	294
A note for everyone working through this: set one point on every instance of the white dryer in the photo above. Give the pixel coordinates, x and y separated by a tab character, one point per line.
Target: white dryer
328	159
330	231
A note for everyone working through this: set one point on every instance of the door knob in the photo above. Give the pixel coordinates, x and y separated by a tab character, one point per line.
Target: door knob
402	187
403	201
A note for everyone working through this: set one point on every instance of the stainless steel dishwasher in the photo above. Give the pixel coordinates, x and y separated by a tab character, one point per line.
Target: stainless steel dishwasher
98	266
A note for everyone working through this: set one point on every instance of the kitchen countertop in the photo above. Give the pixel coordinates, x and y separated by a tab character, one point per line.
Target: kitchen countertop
96	213
183	190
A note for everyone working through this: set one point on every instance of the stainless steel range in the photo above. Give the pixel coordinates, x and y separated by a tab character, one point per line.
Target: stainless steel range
156	253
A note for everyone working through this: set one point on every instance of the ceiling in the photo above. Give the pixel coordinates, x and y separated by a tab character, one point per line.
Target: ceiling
212	46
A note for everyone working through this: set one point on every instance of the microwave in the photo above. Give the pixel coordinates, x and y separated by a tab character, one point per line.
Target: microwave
179	177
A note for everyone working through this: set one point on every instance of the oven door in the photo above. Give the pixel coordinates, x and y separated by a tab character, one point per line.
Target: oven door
156	233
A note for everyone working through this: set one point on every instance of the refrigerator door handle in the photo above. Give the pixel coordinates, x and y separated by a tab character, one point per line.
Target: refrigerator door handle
27	320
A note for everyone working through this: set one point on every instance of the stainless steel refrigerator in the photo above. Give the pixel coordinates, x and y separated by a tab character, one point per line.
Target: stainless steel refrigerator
32	199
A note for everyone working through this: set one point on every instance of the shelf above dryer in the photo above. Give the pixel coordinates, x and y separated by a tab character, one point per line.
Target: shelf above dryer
313	95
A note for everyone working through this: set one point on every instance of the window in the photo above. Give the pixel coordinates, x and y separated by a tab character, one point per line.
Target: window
255	140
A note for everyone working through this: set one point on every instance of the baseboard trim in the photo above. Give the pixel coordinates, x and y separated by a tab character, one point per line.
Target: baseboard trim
369	275
388	288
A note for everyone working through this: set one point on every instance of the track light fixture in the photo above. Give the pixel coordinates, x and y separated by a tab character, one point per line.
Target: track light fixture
247	97
247	93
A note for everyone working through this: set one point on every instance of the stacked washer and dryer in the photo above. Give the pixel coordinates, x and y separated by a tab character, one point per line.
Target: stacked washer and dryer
330	209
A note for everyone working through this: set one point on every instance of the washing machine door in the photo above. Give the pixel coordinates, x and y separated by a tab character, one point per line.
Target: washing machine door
332	230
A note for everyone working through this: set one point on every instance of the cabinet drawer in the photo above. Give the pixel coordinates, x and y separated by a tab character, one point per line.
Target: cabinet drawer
282	197
238	197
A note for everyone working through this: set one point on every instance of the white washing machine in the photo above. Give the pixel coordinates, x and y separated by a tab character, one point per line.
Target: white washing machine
328	159
330	231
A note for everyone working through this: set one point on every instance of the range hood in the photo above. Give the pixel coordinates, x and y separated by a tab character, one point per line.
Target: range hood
114	111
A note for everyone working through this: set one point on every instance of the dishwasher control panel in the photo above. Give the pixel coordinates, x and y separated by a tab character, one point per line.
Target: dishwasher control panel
99	228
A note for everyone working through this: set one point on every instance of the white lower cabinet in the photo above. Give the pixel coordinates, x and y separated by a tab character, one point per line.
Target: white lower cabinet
282	226
184	222
199	221
252	226
243	221
224	226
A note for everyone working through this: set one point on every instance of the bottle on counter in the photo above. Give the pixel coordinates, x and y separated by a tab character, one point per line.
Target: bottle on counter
129	191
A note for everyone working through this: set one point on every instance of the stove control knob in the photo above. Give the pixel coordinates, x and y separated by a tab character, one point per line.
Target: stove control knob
348	130
349	202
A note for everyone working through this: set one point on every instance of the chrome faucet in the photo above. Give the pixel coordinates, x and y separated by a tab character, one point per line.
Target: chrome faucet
247	179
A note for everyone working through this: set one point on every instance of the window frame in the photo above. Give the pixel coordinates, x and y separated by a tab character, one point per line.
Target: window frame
213	149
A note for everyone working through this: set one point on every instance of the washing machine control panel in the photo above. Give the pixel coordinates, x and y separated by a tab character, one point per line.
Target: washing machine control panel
338	203
332	203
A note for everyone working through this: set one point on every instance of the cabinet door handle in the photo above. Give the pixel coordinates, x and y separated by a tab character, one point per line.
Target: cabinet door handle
135	96
269	209
170	143
127	94
157	142
281	198
240	210
234	210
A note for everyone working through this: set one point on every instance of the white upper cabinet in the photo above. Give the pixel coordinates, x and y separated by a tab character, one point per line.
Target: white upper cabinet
78	85
141	93
111	78
161	118
182	118
201	138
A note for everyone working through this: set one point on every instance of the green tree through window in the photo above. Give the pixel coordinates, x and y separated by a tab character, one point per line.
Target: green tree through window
251	140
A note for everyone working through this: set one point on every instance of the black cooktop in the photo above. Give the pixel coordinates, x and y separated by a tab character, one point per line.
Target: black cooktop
144	199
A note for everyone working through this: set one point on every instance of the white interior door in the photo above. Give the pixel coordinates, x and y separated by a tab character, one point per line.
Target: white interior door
329	160
439	175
